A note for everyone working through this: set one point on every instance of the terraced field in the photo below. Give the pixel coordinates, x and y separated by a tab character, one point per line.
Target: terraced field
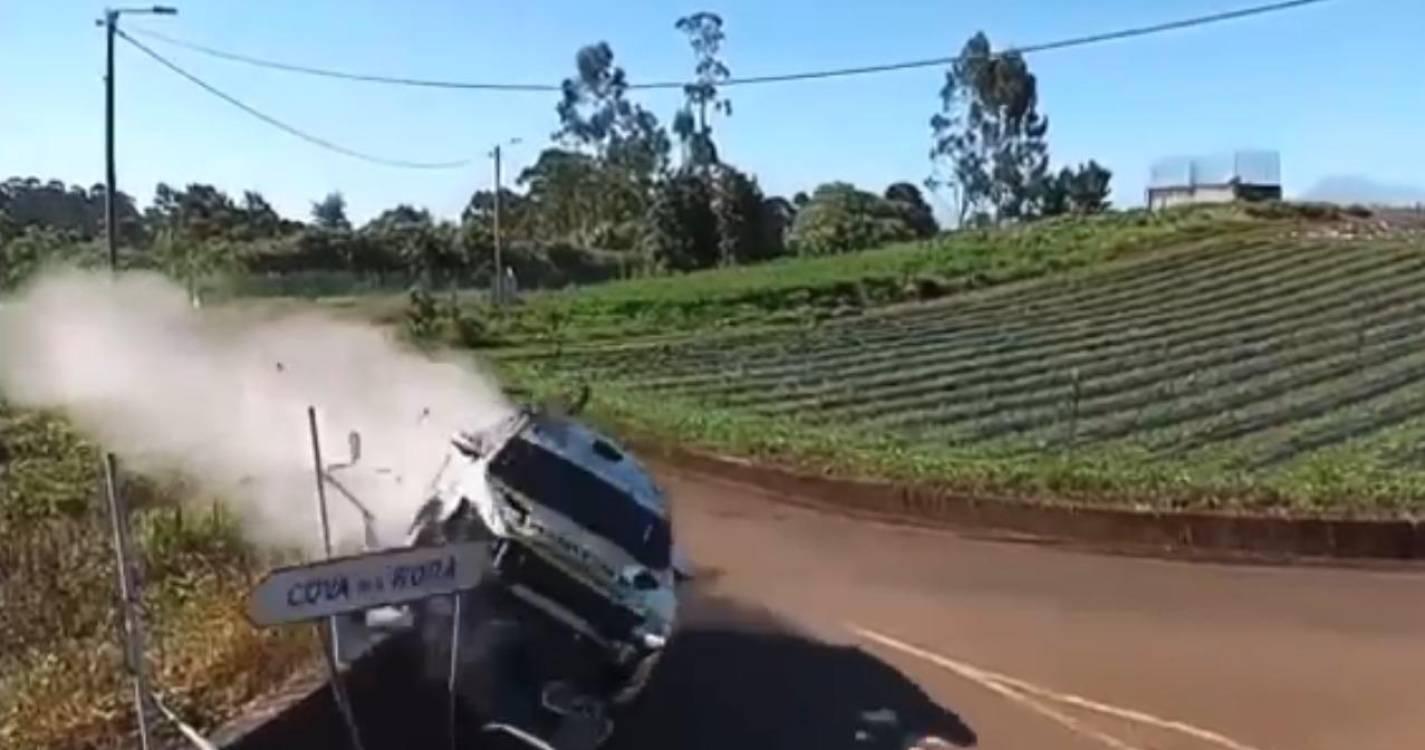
1263	370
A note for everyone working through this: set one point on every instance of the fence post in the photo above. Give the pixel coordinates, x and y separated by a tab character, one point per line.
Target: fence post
128	595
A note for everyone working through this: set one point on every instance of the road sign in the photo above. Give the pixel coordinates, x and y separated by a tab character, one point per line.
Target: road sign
350	584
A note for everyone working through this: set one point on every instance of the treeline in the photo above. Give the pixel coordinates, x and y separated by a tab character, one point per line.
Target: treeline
614	194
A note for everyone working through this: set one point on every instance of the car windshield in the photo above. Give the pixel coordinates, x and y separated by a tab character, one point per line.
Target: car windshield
558	483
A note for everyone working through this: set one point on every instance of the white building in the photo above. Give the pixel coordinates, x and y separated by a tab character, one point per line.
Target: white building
1221	178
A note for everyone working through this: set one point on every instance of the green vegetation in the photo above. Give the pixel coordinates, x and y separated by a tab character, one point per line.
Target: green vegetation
62	683
1248	366
798	291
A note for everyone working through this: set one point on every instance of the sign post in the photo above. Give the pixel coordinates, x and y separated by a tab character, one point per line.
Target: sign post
327	631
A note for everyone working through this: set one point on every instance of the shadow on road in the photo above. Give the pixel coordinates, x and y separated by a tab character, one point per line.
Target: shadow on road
734	677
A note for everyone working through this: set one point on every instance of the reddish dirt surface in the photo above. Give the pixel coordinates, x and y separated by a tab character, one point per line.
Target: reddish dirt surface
812	630
1263	657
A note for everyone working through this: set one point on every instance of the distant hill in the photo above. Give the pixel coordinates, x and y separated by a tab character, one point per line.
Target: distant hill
1364	190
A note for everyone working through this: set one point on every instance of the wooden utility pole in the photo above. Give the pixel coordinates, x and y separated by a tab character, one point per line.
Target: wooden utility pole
498	285
118	508
111	20
110	23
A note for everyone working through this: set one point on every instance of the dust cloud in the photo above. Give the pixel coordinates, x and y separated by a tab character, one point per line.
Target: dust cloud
219	396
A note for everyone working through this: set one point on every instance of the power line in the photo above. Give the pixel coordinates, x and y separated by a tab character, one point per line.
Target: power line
274	122
325	73
1078	41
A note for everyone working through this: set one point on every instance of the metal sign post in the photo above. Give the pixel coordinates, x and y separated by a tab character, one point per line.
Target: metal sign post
450	682
128	596
327	631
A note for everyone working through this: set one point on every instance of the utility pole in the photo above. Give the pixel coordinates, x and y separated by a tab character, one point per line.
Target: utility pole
130	617
111	20
111	187
497	286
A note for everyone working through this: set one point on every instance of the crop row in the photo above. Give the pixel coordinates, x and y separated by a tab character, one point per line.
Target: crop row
1182	349
986	310
1127	383
837	344
1059	347
1119	417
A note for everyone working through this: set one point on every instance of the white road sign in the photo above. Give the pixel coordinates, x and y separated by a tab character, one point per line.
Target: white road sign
349	584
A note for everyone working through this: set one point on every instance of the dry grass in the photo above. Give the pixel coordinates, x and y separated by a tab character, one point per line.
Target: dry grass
62	680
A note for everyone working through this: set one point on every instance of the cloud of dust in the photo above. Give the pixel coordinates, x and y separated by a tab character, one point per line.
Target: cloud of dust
220	396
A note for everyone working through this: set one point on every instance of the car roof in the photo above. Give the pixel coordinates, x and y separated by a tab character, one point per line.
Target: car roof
600	455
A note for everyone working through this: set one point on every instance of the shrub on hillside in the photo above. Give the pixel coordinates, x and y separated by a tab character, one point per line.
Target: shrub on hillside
910	202
839	218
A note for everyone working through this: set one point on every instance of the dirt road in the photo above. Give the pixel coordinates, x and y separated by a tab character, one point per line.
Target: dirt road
812	630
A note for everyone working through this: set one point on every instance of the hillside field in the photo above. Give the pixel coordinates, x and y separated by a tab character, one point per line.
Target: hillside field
1271	365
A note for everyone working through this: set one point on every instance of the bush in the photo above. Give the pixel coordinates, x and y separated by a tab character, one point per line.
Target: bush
839	219
422	316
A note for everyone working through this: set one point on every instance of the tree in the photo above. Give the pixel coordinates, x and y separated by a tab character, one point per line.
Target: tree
1088	192
329	213
777	216
190	260
563	191
907	199
1081	191
626	146
29	249
991	135
681	231
431	252
201	211
736	204
705	36
594	114
839	218
28	202
256	218
8	228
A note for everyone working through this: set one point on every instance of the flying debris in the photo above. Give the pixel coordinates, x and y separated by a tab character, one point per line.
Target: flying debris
578	593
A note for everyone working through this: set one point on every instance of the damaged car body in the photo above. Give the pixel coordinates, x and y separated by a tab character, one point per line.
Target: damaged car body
579	598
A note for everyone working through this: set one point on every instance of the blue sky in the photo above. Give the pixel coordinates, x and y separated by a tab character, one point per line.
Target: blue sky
1336	88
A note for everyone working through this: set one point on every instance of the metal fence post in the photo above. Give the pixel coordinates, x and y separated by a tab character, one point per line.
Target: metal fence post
327	630
128	595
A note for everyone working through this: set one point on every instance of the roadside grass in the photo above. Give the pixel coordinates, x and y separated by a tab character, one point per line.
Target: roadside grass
62	678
